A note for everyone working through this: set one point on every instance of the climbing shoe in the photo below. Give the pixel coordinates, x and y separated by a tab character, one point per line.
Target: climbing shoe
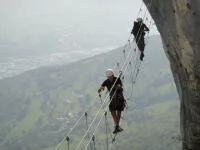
117	129
141	56
120	129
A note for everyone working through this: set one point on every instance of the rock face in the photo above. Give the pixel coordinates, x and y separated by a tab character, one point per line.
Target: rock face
178	22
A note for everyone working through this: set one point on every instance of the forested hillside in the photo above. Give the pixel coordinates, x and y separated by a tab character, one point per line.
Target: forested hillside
39	107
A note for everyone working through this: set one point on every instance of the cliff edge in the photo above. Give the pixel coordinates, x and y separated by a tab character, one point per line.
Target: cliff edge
178	22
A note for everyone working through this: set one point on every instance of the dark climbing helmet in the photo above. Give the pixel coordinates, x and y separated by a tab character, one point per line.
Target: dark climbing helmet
139	19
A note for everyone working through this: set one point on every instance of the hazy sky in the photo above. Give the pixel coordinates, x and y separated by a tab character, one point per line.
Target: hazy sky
25	19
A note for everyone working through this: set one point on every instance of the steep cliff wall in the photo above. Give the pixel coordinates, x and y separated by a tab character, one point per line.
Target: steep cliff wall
178	22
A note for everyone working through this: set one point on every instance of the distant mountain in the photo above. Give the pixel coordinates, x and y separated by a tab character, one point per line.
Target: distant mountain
38	108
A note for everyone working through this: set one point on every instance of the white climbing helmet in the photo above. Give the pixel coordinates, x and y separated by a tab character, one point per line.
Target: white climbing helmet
139	19
109	72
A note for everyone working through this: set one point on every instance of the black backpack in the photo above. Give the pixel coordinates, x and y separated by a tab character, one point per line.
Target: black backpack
138	27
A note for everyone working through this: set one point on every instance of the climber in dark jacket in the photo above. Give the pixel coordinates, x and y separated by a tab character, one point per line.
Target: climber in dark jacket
138	31
117	101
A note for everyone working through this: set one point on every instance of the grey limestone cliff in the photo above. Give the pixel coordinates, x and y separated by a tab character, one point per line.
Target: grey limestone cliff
178	22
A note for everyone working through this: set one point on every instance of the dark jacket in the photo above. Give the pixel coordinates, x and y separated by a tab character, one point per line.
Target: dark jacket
139	29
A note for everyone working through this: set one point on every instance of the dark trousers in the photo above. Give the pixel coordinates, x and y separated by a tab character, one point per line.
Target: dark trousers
117	102
140	42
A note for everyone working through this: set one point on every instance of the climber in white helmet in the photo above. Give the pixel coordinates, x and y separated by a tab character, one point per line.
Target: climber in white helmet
138	31
117	101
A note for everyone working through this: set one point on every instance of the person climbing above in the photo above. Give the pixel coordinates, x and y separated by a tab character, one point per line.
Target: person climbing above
138	31
117	101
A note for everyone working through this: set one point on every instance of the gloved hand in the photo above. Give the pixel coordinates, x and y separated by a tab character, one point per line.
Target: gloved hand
99	90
